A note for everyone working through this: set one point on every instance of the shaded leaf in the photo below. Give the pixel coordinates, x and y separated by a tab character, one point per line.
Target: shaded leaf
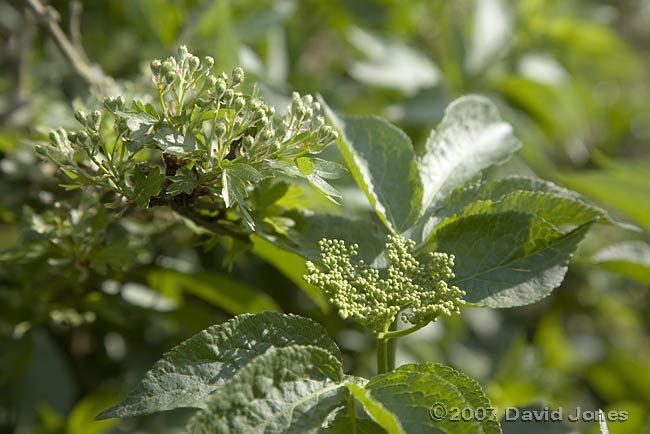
145	186
190	372
354	425
285	390
410	391
184	181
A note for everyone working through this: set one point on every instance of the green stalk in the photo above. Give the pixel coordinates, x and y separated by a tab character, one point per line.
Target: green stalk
382	356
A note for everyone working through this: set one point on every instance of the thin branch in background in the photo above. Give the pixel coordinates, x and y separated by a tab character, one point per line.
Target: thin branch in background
76	9
49	18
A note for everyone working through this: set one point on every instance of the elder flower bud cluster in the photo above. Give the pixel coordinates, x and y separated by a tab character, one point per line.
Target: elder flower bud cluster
365	294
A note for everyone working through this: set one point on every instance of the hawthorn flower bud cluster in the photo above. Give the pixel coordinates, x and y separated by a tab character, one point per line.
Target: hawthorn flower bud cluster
374	298
242	123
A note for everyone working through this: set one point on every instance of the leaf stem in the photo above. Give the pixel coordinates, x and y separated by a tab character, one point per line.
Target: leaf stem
399	333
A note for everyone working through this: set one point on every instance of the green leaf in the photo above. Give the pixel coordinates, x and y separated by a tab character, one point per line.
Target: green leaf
145	186
384	418
411	391
188	374
471	137
80	420
507	259
174	143
235	178
136	120
285	390
317	170
629	258
323	168
354	425
292	266
184	181
220	290
561	212
309	229
624	186
381	159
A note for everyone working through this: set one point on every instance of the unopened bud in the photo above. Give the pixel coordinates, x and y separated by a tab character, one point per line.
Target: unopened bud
155	66
80	117
239	103
237	75
208	63
96	116
182	51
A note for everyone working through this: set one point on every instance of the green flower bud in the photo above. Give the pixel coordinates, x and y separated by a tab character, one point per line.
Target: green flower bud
208	63
237	76
82	136
72	136
220	87
267	134
239	103
155	66
170	77
80	117
194	63
220	130
119	101
182	51
247	142
228	96
96	116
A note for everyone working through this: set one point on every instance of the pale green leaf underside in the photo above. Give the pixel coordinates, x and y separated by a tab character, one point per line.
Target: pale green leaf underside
387	420
191	371
507	259
381	159
409	392
471	137
285	390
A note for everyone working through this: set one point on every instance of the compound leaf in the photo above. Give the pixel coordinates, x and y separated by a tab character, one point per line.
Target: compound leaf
188	374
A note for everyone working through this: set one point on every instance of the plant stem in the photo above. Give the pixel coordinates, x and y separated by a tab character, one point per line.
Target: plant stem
382	356
49	19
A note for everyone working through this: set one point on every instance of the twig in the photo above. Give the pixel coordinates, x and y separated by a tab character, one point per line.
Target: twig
49	18
179	205
76	9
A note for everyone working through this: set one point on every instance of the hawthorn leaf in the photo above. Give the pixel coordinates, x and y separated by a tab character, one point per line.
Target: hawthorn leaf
285	390
316	171
170	141
234	179
471	137
190	372
507	259
628	258
136	120
381	159
146	185
411	391
184	181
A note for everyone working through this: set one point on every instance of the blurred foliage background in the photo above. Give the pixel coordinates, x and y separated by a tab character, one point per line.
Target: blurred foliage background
88	301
